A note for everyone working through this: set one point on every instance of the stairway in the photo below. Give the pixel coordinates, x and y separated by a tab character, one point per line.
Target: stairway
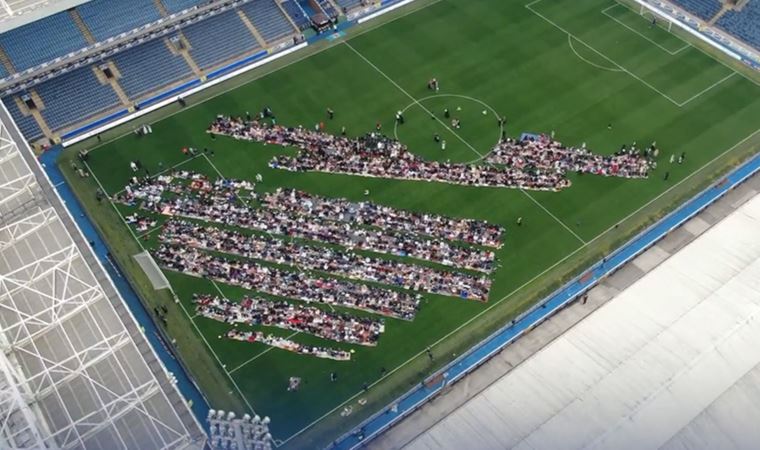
252	29
185	53
6	61
161	8
35	113
720	14
82	26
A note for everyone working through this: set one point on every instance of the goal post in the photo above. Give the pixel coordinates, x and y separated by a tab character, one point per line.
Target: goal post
660	20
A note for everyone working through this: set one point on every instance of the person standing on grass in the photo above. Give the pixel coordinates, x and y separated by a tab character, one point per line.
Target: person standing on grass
330	113
519	221
443	144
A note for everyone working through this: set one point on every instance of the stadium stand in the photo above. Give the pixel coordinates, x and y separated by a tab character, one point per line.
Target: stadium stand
26	124
75	371
704	9
218	39
42	41
3	73
174	6
73	96
328	8
299	16
348	4
268	19
744	24
139	66
107	18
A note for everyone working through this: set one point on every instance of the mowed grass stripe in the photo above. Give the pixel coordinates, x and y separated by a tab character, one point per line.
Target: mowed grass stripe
498	52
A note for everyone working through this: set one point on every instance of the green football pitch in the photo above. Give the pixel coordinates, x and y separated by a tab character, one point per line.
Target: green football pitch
593	71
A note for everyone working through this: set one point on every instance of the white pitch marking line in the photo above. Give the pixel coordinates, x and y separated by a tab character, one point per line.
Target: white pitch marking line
412	98
521	287
591	63
182	306
645	83
678	104
260	354
457	135
695	96
661	47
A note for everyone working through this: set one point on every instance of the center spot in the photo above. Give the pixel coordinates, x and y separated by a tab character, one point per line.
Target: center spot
427	125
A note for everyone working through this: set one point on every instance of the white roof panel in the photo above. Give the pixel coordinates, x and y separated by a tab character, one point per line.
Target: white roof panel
673	362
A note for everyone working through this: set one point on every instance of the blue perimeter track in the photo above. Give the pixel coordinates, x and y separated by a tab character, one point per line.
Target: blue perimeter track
186	385
482	352
454	371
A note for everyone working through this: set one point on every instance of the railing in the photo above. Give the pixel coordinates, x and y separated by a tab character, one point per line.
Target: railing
99	51
475	357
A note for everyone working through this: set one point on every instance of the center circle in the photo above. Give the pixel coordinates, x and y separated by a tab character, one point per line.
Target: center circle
430	130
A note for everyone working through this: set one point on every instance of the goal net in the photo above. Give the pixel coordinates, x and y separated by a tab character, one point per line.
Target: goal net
656	18
151	269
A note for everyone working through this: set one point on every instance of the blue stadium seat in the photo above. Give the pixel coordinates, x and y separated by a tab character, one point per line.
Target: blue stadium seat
348	4
107	18
744	24
268	19
328	8
3	73
174	6
42	41
26	124
74	96
149	67
218	39
297	14
704	9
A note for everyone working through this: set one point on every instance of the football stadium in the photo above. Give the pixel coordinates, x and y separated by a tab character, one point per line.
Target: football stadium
387	224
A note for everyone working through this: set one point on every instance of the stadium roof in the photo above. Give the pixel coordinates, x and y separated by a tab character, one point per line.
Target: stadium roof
75	371
16	13
671	362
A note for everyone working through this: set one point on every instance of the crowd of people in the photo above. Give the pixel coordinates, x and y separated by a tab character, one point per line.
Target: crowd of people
150	190
346	264
296	285
305	319
287	344
213	206
367	213
545	154
375	155
141	223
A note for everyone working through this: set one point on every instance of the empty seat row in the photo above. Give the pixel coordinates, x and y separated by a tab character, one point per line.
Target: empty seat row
268	19
328	8
296	13
744	24
174	6
42	41
139	68
108	18
704	9
26	124
218	39
75	96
